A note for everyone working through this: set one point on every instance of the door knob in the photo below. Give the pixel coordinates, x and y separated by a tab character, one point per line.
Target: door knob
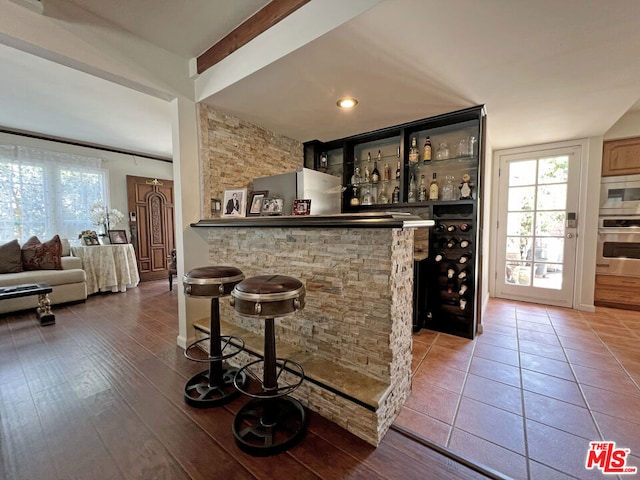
570	235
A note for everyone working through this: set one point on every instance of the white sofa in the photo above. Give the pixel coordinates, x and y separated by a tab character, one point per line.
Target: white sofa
68	284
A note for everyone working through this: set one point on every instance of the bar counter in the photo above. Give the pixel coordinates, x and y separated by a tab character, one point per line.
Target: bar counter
354	336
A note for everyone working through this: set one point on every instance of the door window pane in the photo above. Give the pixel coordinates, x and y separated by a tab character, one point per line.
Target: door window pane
521	198
522	173
552	197
520	223
553	170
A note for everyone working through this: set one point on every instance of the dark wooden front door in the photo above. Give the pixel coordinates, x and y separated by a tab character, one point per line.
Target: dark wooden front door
151	219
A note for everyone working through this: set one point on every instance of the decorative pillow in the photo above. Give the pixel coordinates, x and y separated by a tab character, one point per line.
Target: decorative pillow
42	256
10	257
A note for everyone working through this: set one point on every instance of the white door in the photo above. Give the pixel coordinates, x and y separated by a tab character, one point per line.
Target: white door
537	225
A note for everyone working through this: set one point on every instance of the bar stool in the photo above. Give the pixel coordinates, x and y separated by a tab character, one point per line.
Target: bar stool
214	386
271	422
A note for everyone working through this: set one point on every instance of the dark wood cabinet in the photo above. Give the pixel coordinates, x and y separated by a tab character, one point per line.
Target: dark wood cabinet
457	146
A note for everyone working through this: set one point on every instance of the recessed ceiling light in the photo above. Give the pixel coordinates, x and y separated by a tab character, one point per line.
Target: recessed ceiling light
347	102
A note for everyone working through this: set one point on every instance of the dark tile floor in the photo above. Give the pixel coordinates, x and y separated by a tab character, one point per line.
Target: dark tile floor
528	395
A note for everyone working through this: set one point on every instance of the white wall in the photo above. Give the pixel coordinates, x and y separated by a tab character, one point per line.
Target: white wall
119	165
627	126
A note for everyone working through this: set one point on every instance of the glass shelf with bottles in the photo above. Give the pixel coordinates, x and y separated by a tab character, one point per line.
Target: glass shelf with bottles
457	143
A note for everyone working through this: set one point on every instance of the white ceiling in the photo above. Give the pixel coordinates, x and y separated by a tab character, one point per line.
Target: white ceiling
546	70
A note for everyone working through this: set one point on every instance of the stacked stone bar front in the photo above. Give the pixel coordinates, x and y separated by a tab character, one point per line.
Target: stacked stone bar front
358	310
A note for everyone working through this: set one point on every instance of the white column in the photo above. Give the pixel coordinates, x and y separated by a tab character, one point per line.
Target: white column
192	249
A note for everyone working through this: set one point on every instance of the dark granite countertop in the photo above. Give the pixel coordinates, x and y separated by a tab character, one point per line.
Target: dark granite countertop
360	220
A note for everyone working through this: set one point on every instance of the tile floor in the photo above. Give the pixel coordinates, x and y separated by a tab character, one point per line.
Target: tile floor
527	396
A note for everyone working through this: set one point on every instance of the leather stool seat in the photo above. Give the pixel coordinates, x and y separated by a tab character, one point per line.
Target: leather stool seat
272	421
216	385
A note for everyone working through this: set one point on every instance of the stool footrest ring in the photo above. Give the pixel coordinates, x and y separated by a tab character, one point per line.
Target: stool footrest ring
282	365
234	344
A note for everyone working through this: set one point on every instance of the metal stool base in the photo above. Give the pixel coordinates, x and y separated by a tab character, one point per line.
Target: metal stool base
200	394
256	438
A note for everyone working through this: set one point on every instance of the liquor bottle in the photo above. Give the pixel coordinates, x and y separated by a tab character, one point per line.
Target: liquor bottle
367	199
398	167
426	151
452	242
463	274
447	189
356	178
440	256
463	289
375	174
412	189
414	153
465	227
422	191
451	228
464	258
386	174
367	174
379	157
464	243
434	188
451	271
355	198
324	160
395	195
382	196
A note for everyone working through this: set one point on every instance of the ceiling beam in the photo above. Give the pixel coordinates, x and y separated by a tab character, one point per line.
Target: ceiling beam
264	19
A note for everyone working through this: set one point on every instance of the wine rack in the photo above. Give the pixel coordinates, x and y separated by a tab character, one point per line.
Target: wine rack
456	159
452	246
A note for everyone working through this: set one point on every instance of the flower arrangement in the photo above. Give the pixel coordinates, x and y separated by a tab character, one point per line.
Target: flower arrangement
108	218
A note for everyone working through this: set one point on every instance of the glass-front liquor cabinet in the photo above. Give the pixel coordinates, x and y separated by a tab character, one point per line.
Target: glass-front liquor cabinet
432	168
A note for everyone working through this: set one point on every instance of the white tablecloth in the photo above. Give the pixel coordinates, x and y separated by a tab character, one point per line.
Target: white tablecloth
109	267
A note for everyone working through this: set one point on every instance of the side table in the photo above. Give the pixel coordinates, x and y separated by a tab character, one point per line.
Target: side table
43	312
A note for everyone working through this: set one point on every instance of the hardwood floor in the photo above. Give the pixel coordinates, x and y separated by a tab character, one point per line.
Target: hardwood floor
99	396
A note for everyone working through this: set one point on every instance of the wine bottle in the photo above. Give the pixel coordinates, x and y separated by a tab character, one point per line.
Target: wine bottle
451	284
441	227
464	243
414	153
375	174
463	289
465	227
463	274
451	271
464	258
426	151
412	189
451	228
451	243
422	195
434	188
440	256
462	303
398	167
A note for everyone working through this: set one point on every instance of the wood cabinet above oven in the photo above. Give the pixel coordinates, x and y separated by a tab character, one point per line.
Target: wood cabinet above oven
621	157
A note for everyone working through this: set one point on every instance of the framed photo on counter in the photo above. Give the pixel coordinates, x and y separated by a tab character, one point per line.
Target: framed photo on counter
272	206
90	239
255	205
117	236
235	202
302	207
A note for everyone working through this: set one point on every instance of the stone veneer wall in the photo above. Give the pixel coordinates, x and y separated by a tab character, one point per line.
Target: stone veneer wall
233	152
358	311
